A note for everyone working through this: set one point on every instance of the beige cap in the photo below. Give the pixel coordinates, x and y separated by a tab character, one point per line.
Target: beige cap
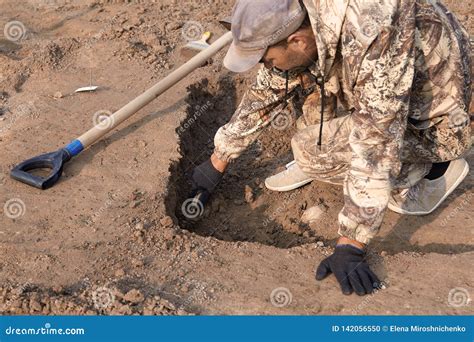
258	24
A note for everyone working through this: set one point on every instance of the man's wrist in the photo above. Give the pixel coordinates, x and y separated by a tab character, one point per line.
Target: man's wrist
219	165
346	241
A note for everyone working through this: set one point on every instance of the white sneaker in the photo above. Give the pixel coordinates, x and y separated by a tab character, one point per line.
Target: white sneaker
290	179
425	196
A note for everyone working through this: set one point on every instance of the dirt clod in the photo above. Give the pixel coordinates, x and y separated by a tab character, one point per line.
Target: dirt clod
134	296
166	221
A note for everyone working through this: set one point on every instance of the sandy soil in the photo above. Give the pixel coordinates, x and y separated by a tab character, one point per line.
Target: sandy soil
110	238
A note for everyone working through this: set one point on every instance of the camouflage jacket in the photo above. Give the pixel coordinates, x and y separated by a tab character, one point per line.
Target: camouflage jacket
394	65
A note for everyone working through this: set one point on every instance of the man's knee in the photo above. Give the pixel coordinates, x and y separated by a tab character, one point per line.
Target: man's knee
302	138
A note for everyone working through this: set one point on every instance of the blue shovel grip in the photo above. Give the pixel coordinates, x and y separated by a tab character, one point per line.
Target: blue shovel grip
74	147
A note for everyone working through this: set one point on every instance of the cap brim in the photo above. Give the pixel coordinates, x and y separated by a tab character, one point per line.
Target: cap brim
238	60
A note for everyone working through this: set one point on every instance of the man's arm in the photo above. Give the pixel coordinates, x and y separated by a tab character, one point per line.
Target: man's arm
382	95
259	105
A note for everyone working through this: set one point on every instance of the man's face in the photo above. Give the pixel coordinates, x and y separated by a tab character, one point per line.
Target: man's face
296	51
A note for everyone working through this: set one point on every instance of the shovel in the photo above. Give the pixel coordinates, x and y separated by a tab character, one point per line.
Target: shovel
55	160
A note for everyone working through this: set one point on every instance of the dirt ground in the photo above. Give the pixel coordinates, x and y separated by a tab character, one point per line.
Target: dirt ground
110	238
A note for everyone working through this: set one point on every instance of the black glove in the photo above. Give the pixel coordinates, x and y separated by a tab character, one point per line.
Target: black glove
351	270
205	178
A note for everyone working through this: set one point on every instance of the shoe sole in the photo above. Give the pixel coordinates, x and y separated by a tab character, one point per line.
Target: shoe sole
288	187
450	190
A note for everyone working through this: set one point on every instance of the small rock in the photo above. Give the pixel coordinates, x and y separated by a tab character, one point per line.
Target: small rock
58	95
147	224
383	253
320	244
119	273
35	305
312	214
172	26
304	205
139	226
249	197
137	263
168	234
57	288
136	203
134	296
166	221
238	202
160	49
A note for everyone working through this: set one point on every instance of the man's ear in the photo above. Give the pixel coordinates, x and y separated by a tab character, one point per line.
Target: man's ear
297	40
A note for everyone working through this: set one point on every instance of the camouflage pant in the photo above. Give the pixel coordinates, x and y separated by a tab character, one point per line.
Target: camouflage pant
330	162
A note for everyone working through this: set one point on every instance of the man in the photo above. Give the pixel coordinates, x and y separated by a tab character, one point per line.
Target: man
387	87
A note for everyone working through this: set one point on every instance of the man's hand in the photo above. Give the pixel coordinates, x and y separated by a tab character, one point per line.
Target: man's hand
205	178
351	270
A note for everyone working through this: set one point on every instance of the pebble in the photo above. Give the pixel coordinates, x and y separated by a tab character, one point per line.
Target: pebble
136	203
320	244
238	202
35	305
383	253
304	205
137	263
312	214
249	196
58	95
120	272
134	296
168	234
166	221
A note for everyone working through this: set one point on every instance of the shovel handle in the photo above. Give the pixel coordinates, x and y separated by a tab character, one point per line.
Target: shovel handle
98	131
